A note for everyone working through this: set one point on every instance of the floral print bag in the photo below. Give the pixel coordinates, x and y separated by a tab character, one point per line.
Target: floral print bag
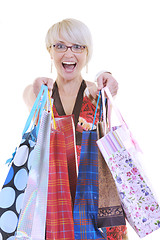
122	154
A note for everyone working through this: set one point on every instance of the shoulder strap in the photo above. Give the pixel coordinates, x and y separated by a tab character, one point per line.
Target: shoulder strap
79	101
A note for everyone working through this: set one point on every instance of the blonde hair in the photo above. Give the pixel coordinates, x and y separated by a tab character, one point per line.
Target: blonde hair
73	31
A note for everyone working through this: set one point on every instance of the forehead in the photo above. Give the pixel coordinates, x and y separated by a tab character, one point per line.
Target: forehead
63	41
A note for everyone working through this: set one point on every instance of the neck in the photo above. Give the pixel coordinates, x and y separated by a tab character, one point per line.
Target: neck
69	87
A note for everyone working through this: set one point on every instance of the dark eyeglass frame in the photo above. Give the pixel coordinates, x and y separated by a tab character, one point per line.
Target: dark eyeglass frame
80	49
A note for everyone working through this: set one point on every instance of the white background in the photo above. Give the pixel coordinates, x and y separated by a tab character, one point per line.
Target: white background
126	42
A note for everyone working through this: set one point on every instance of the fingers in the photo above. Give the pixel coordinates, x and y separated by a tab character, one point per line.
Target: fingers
106	79
42	80
112	84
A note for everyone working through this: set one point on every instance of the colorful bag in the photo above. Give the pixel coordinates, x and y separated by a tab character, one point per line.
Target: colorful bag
12	193
65	124
110	211
59	220
121	152
86	201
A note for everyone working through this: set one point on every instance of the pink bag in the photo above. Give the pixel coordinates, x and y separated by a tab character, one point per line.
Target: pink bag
121	153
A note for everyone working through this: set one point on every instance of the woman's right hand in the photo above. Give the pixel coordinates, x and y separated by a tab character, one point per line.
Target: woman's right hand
42	80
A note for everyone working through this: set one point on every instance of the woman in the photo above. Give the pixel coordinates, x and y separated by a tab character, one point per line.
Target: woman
69	44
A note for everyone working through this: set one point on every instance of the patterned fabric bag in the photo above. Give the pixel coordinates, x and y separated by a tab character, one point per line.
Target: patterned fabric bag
59	220
86	201
121	152
12	193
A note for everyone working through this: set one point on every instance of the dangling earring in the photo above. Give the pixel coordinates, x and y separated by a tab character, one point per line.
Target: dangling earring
51	65
87	68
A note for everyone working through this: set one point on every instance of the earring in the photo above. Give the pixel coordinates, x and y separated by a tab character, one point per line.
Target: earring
51	65
87	68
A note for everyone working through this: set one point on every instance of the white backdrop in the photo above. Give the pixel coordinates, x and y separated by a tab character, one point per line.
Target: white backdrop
126	42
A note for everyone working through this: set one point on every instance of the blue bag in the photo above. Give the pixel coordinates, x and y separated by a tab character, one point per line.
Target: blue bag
86	200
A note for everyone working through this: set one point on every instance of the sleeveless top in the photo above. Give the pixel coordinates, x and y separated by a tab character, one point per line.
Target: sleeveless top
83	111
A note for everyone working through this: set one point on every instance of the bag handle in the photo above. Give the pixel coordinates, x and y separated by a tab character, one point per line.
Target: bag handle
119	115
54	122
37	106
111	101
96	109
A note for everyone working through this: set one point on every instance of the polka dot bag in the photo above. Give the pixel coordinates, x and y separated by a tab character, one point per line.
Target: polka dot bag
12	192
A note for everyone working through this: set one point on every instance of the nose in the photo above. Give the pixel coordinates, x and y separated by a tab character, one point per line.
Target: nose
69	52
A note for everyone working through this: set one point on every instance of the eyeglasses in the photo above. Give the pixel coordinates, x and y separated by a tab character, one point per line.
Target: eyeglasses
59	47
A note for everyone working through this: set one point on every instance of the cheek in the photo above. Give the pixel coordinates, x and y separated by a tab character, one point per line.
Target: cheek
57	61
83	60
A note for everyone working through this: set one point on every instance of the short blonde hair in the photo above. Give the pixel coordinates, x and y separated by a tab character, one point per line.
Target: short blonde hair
73	31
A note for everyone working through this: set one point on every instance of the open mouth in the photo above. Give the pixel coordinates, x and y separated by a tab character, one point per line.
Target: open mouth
69	65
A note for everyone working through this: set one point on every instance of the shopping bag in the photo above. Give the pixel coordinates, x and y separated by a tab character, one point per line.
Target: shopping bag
110	211
59	219
32	220
65	124
12	193
121	152
86	200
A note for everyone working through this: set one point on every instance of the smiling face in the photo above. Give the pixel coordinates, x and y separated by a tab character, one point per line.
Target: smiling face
68	64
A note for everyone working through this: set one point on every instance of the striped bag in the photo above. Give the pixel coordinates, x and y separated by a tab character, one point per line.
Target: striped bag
121	152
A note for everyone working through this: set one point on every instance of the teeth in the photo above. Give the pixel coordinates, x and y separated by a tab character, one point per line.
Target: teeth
69	63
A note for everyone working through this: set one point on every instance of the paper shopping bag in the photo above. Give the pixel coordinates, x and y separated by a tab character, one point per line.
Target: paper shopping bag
121	153
86	201
110	211
59	219
65	124
12	193
32	220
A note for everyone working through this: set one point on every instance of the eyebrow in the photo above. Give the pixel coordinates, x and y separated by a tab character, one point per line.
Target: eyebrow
60	41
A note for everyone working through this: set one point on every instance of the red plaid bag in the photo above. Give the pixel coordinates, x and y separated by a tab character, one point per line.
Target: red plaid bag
59	220
65	124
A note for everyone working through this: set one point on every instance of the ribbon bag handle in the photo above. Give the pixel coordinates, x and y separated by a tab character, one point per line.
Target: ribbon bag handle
50	102
119	115
96	109
111	102
38	107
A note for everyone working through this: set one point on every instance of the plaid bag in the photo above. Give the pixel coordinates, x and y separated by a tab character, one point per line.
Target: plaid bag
121	152
65	124
86	201
59	219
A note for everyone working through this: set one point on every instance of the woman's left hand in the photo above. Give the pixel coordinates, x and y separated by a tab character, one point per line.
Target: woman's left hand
106	79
